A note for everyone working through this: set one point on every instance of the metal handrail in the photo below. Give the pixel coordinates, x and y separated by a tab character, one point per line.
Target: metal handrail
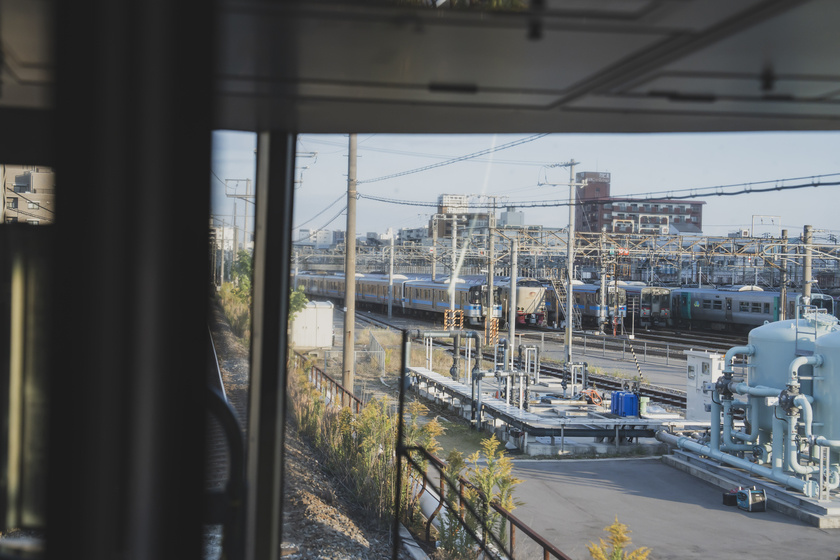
319	376
549	550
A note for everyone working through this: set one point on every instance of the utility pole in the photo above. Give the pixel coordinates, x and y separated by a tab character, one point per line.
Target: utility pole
349	356
784	278
807	272
514	250
452	274
615	297
434	245
570	263
247	197
570	256
391	277
491	253
602	312
223	257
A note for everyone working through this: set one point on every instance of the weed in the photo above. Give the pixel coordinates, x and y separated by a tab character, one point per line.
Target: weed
618	541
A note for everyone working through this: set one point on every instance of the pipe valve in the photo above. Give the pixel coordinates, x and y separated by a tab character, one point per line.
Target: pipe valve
786	398
722	386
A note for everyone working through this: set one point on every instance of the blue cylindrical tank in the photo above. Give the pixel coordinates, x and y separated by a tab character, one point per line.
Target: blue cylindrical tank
776	345
826	391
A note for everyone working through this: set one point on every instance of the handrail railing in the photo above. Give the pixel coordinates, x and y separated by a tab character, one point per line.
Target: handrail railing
549	550
330	387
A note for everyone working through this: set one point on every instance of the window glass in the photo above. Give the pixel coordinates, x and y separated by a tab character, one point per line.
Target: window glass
29	193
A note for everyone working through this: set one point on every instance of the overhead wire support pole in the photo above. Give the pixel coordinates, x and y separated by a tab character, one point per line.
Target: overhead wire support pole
349	355
391	278
570	254
452	273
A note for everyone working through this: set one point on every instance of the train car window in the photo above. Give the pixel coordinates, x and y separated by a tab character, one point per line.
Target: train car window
755	307
767	307
707	304
717	304
743	307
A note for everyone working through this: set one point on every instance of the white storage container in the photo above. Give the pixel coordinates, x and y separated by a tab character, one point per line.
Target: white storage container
313	326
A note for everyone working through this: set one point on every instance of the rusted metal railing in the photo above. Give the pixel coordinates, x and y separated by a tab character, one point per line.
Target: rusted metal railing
495	548
333	391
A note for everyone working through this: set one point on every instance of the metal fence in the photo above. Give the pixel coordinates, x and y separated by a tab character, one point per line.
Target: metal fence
647	352
333	391
333	360
377	352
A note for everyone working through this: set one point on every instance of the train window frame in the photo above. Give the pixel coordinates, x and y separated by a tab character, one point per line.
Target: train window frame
743	307
767	307
717	305
755	307
707	304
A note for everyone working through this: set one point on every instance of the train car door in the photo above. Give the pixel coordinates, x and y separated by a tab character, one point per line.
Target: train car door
729	309
685	307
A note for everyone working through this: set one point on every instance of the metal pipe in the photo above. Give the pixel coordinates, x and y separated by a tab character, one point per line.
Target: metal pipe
752	437
791	456
832	443
816	360
809	488
506	344
757	391
715	426
747	350
777	445
728	443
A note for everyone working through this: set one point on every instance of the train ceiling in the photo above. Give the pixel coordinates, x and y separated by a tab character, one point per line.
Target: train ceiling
561	66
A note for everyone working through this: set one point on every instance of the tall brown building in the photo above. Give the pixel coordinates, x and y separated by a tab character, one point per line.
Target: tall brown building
598	211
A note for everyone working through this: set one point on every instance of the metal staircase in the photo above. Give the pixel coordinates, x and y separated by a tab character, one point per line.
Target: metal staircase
562	303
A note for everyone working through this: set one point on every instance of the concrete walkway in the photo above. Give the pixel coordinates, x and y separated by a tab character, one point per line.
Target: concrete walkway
676	515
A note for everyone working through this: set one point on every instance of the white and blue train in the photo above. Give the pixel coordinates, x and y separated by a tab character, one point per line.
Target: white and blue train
412	295
419	295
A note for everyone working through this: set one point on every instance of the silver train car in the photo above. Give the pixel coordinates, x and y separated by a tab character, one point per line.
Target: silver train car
736	308
587	299
412	295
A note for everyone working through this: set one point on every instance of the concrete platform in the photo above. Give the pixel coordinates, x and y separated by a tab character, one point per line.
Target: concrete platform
825	515
559	427
678	516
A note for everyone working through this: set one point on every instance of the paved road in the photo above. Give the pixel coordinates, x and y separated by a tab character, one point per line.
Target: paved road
673	513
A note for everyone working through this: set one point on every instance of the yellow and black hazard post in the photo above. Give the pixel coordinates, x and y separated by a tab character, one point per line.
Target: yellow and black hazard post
491	331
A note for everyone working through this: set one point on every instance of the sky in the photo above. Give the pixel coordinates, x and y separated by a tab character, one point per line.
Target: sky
520	175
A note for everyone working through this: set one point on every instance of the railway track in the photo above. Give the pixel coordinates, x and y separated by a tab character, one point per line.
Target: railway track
607	383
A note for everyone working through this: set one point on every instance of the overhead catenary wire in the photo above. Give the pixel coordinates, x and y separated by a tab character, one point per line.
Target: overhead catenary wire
333	203
334	218
699	192
457	159
409	153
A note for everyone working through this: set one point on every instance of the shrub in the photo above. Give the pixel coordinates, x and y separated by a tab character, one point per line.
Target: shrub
618	541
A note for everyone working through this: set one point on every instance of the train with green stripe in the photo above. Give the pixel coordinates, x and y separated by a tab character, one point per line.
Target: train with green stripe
736	308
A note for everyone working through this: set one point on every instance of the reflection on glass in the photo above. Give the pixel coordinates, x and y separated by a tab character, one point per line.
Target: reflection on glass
28	194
